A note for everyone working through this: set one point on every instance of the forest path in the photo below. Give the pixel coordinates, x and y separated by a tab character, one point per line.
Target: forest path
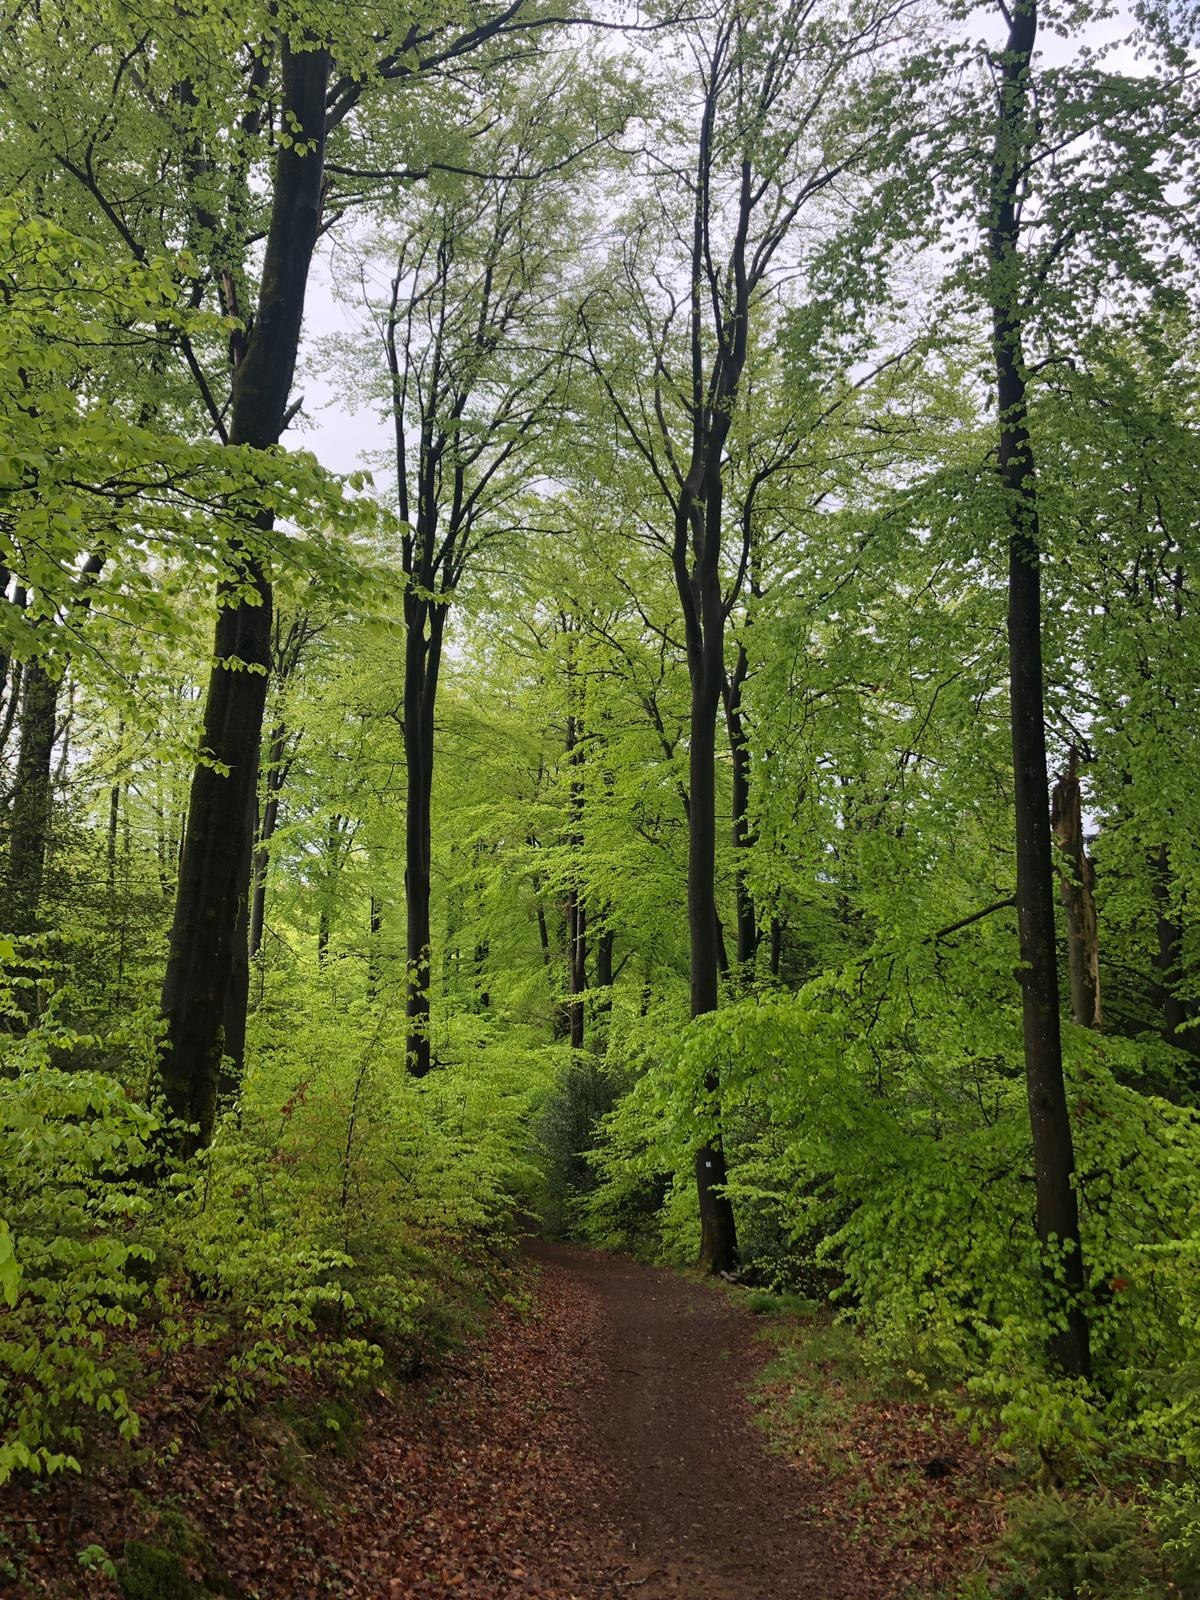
594	1442
687	1501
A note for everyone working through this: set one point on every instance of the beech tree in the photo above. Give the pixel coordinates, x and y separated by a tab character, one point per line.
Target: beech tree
766	147
474	334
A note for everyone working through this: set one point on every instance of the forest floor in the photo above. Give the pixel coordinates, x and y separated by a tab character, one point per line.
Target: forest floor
598	1442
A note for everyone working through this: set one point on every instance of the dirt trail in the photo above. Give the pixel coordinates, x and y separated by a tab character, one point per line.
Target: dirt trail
595	1445
690	1502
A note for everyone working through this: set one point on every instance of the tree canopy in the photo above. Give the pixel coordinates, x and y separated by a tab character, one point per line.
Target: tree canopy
721	781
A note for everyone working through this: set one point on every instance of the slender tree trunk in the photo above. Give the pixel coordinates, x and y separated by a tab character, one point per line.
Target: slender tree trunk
739	749
422	661
330	872
31	799
775	962
558	1015
718	1235
700	595
1076	886
237	996
215	858
374	934
605	942
114	821
1053	1147
576	911
266	832
483	999
15	695
162	843
576	967
6	661
114	824
695	559
1179	1024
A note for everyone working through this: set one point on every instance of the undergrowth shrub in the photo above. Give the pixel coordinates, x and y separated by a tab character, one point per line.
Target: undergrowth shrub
344	1216
1098	1549
642	1199
884	1148
73	1261
586	1090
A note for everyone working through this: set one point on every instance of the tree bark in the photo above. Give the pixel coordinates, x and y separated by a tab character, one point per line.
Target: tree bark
1053	1147
15	695
576	910
695	558
1076	887
424	620
114	825
374	934
775	963
605	942
31	798
215	858
237	995
748	935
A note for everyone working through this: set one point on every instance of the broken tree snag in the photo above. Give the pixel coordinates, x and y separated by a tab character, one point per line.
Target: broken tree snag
1076	887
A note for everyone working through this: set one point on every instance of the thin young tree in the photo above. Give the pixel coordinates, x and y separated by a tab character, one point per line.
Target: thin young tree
475	344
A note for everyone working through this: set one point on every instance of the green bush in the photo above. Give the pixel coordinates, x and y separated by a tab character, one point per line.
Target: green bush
73	1260
1057	1549
880	1150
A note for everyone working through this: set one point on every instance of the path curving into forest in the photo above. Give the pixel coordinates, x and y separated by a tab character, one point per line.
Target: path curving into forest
683	1497
595	1441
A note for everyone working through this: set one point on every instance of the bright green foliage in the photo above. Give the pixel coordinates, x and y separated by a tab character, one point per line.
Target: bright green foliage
335	1225
864	1068
70	1145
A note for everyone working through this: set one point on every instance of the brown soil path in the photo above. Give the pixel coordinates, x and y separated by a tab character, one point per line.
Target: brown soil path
595	1444
691	1503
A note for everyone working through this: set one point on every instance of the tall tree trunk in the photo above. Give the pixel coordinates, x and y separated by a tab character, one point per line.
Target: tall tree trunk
1076	887
718	1235
424	623
31	798
15	696
6	660
1053	1147
605	942
215	857
576	911
697	535
775	963
114	825
742	838
329	880
114	820
237	995
559	1023
483	998
576	967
